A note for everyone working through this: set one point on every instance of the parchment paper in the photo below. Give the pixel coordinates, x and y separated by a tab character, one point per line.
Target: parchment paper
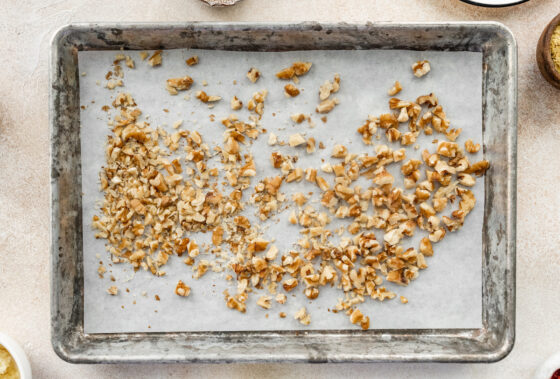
446	295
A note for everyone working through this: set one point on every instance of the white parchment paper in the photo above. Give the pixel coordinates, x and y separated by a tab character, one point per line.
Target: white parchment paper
448	294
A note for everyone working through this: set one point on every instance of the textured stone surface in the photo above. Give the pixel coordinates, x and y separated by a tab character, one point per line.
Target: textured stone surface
26	28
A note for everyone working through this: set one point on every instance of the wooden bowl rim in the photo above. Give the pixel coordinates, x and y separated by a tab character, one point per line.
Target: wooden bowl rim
547	52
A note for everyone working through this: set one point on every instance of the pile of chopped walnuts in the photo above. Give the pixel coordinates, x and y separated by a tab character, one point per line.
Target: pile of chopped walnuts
152	201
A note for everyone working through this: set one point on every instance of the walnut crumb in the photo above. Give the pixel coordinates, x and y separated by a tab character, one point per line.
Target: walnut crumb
303	317
202	96
182	289
253	75
395	89
192	61
155	59
113	290
290	90
421	68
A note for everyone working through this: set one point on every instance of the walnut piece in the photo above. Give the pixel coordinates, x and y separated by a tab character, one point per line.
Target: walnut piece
202	96
327	105
192	61
290	90
179	84
253	75
421	68
182	289
303	317
295	70
396	88
155	59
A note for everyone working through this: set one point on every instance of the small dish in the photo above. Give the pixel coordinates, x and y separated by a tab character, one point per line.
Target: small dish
220	3
544	55
494	3
17	354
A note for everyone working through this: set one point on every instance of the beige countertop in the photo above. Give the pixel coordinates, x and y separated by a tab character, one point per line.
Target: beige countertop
26	28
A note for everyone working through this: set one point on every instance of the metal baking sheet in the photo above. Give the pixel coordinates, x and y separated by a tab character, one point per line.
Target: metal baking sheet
490	342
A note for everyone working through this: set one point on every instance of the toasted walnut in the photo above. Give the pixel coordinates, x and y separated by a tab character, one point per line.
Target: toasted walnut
471	147
322	183
395	89
182	289
236	302
113	290
329	87
310	145
302	316
426	247
430	99
179	84
339	151
155	59
298	118
311	292
448	149
421	68
264	302
301	68
192	61
236	104
281	299
272	139
297	69
296	140
202	96
388	120
404	300
327	105
478	168
466	180
143	55
290	90
253	75
290	284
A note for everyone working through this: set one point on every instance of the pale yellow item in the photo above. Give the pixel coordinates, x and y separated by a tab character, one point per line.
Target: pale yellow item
555	48
8	368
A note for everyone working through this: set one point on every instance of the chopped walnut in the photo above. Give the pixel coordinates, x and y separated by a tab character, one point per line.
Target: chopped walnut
202	96
329	87
290	90
236	104
113	290
396	88
182	289
253	75
192	61
298	118
179	84
339	151
264	302
297	69
303	317
471	147
155	59
296	140
327	105
281	298
421	68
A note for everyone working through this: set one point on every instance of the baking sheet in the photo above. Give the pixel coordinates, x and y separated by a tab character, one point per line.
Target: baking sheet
446	295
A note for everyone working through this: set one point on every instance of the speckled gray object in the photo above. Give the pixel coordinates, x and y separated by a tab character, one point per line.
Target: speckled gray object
490	343
221	3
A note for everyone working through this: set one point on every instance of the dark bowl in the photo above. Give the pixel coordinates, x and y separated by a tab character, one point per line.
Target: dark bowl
544	55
